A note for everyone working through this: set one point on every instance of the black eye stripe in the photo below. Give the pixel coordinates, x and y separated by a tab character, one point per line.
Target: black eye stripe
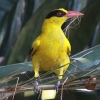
54	13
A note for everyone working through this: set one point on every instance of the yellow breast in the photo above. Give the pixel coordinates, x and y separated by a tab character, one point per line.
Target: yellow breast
52	51
51	48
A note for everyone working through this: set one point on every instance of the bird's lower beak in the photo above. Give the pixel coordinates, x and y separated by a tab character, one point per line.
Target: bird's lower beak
71	14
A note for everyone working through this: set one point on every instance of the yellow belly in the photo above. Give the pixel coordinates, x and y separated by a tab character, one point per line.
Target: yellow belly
51	53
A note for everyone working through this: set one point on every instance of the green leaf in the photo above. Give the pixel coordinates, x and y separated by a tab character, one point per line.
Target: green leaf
83	65
6	70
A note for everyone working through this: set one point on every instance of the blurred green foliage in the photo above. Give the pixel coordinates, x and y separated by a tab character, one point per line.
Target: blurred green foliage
22	20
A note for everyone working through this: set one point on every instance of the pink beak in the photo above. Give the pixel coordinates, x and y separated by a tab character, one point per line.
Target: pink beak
71	14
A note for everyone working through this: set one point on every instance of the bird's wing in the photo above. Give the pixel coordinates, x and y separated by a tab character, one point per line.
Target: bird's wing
35	45
68	49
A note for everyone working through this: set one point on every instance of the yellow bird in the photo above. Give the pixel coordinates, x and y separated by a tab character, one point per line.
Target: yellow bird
51	48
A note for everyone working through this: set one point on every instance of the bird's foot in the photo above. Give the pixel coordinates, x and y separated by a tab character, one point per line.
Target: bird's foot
36	87
57	85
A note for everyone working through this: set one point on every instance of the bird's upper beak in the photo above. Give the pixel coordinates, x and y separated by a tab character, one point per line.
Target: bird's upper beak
71	14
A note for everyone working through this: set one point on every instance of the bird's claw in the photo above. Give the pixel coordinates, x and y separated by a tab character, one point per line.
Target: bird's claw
57	86
36	87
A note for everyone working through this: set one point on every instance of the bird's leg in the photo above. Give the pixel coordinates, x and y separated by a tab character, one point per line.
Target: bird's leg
36	87
36	74
57	85
36	70
60	77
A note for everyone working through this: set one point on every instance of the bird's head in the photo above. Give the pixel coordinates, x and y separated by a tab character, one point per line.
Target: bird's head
59	16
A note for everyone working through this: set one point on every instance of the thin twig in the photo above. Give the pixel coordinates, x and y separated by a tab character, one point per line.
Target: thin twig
15	88
62	88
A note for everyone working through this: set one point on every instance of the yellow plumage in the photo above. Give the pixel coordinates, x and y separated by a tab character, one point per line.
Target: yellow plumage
51	48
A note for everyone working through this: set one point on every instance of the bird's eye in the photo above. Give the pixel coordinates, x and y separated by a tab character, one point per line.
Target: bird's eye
59	13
